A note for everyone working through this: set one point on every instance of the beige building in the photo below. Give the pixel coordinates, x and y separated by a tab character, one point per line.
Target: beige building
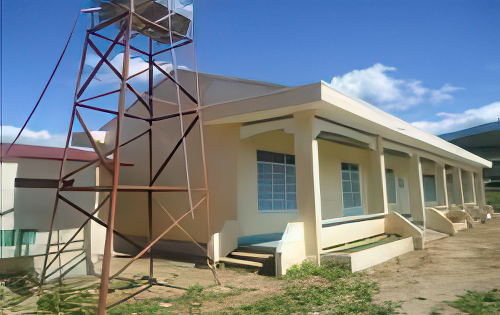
294	172
29	178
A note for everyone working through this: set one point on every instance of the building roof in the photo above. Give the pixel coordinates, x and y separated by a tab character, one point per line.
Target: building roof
493	126
337	107
46	153
234	100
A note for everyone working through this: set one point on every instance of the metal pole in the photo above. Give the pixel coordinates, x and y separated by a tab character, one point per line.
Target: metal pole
103	289
150	193
68	137
181	118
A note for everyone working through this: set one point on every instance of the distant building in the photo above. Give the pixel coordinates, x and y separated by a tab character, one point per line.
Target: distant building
484	141
29	178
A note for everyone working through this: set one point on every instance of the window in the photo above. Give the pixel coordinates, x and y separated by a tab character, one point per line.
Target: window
430	188
276	181
390	180
28	237
351	190
7	237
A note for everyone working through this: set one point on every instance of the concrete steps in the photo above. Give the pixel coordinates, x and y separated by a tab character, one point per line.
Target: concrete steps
252	257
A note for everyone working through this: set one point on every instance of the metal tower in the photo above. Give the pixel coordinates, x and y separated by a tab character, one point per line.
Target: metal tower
149	29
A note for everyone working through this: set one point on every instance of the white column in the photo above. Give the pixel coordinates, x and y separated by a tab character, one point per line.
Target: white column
307	176
442	189
458	190
381	166
473	184
480	191
417	203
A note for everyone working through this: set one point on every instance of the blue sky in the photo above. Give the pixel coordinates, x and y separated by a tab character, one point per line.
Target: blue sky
433	63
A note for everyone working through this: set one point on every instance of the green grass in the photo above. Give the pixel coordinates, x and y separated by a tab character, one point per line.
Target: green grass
493	199
478	303
331	289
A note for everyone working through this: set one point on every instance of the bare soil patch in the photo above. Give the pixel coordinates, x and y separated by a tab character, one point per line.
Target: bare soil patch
423	279
240	286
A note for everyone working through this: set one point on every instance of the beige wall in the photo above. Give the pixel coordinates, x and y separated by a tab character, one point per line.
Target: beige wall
401	167
331	155
252	221
132	207
34	206
468	187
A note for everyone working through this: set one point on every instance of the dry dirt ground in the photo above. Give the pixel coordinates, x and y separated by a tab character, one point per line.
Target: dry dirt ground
250	286
423	279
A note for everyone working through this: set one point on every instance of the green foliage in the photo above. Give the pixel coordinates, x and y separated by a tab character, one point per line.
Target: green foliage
493	199
331	288
190	302
478	303
79	303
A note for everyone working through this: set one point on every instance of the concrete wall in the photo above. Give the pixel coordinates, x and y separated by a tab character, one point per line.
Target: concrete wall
34	206
252	221
132	207
437	221
400	166
291	249
33	209
351	231
397	224
468	187
331	156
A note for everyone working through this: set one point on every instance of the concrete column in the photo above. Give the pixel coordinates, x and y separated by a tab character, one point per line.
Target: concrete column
473	184
480	191
307	175
442	190
380	157
417	203
458	190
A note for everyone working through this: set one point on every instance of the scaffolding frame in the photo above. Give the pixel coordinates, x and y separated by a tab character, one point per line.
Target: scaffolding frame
123	39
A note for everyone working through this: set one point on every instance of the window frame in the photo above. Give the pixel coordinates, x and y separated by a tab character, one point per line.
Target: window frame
360	189
286	157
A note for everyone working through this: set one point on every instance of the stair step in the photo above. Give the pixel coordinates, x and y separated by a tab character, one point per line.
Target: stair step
252	255
241	262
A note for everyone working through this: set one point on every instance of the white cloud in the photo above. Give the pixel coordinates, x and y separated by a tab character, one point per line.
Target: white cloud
450	122
374	85
136	65
41	138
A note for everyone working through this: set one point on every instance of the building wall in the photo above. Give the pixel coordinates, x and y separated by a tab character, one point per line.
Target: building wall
331	155
401	167
34	206
221	143
467	186
252	221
